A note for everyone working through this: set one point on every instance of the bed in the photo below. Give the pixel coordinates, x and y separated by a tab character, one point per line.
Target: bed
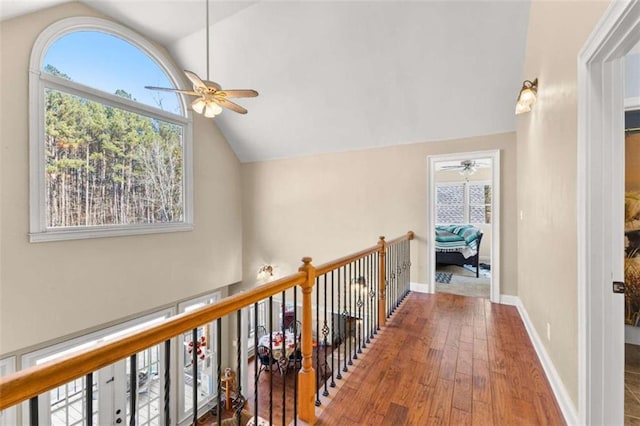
458	245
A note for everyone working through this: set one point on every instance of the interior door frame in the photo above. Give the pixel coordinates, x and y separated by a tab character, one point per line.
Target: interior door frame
432	160
600	208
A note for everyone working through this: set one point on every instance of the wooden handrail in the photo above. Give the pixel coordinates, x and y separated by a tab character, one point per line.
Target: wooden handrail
33	381
335	264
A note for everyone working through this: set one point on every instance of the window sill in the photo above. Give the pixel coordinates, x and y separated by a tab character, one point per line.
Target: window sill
79	233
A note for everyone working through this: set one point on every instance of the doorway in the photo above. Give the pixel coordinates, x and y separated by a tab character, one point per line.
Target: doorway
464	219
601	214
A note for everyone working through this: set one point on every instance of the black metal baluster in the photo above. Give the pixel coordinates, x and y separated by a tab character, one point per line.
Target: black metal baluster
255	360
33	411
389	282
270	331
333	332
350	313
354	289
167	382
295	354
285	362
88	384
365	296
194	372
219	367
393	279
325	332
239	400
345	317
376	290
360	321
372	295
340	320
317	348
133	388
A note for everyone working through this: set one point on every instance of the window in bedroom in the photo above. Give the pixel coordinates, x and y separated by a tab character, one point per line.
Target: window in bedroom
463	202
108	157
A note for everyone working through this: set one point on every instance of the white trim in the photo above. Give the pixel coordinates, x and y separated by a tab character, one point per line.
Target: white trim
631	104
38	81
494	155
8	416
419	287
507	299
557	386
599	207
80	343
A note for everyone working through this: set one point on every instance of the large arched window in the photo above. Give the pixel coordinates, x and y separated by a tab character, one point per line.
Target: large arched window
107	156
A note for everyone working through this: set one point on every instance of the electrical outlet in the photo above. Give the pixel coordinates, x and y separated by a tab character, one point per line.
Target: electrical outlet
548	332
521	214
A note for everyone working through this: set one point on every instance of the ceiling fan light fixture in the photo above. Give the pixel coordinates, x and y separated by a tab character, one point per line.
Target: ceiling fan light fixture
212	109
198	105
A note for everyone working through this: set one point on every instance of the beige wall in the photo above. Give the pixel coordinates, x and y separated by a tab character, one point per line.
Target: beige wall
547	274
53	289
331	205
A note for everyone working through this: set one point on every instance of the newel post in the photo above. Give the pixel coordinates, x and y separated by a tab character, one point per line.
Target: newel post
307	375
382	303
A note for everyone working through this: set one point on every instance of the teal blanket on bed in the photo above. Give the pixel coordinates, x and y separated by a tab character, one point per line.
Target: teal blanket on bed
460	238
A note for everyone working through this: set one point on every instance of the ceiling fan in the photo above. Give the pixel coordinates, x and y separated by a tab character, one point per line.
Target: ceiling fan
465	165
210	95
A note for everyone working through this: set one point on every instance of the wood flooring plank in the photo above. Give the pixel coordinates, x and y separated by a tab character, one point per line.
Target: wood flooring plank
448	363
440	408
481	381
482	414
465	358
397	414
460	417
462	392
467	361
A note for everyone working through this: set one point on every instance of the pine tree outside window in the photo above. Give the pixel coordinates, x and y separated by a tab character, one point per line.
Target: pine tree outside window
107	158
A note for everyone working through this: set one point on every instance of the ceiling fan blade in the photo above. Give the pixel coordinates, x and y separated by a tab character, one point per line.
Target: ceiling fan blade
232	106
244	93
195	80
167	89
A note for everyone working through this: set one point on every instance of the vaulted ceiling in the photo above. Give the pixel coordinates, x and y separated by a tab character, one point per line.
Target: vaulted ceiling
343	75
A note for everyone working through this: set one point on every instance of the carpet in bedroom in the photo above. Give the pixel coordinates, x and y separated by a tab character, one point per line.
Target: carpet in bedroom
463	282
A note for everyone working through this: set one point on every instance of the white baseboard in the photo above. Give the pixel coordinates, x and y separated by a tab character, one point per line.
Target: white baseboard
419	287
566	405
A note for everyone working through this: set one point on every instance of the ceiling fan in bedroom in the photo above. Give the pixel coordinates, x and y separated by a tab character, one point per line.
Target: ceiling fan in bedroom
210	95
466	167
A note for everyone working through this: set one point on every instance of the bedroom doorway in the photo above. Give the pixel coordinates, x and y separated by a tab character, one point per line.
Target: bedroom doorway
464	220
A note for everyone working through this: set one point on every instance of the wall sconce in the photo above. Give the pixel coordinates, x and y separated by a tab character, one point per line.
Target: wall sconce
265	272
527	96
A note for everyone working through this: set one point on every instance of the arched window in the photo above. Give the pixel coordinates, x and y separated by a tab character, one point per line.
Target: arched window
107	156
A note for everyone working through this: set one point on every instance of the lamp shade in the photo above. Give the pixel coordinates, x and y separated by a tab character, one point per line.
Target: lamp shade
527	96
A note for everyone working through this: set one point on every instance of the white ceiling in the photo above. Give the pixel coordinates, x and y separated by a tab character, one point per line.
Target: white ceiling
343	75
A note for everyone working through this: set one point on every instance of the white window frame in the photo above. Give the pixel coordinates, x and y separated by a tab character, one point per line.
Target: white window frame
76	345
8	416
184	415
39	81
465	199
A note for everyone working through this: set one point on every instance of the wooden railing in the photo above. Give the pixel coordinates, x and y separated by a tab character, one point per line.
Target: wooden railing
29	383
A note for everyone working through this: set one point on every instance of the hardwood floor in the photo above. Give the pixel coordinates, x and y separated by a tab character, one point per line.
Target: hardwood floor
447	359
442	359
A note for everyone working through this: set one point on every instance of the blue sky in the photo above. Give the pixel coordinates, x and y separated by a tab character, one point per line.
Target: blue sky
110	63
